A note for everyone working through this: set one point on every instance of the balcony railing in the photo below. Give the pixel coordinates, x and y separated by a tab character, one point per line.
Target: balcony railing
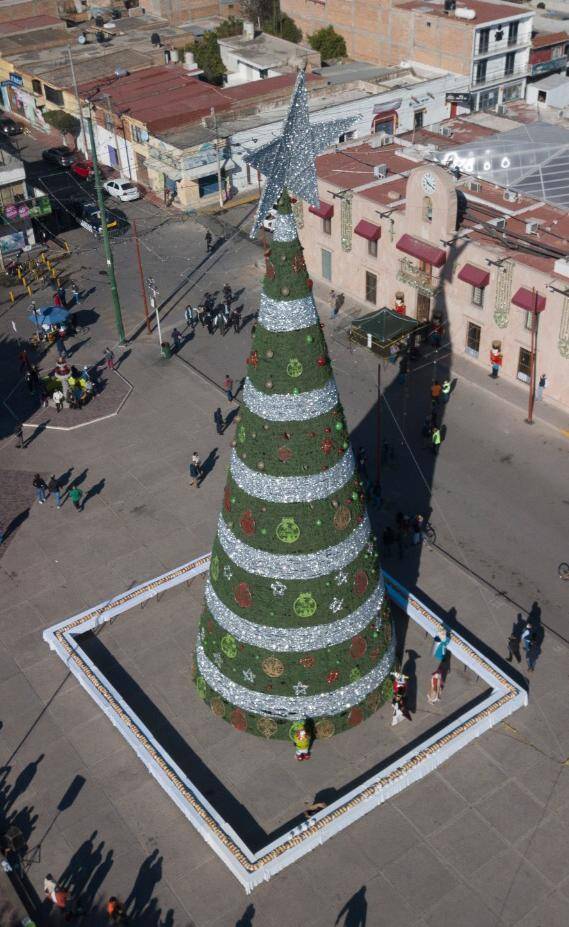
495	78
502	48
422	281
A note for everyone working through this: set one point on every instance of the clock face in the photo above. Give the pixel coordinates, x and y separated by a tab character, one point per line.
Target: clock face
429	183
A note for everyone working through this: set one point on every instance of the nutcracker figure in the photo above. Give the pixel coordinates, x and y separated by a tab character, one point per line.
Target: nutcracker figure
301	739
435	687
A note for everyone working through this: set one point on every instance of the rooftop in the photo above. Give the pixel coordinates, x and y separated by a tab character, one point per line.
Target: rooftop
268	51
544	39
167	96
485	12
551	81
32	22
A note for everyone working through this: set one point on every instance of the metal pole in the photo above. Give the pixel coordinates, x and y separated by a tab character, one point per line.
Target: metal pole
150	282
214	117
531	397
378	431
141	275
112	118
76	91
105	234
126	147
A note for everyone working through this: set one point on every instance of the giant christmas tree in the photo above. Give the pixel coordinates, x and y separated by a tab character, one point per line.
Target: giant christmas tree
295	625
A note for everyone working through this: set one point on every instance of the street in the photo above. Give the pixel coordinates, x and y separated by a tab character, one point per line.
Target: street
482	842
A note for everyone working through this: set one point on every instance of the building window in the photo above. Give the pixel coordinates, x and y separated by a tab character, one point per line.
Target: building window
473	333
478	296
488	99
327	226
326	264
139	134
346	136
108	120
380	124
371	287
528	324
418	117
542	96
513	33
481	72
372	248
524	365
483	41
510	62
54	96
513	92
427	209
556	51
37	87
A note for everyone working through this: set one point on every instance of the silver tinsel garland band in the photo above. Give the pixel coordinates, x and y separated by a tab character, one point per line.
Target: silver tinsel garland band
292	488
287	407
283	706
287	316
285	228
316	637
293	566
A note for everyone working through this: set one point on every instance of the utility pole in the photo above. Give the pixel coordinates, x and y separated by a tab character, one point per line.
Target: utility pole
105	234
531	397
76	91
378	430
111	116
151	284
141	275
214	117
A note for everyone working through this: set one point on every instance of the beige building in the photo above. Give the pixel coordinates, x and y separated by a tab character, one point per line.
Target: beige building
472	254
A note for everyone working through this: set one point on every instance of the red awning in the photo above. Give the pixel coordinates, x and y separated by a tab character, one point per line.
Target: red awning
529	300
474	275
368	230
422	251
325	211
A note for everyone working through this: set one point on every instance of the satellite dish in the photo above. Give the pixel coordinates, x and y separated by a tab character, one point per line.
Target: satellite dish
121	72
82	38
99	21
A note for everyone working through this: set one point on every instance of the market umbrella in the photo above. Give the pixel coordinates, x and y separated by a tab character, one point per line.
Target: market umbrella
49	315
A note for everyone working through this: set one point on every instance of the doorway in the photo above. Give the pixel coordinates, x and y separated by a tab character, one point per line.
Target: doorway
423	307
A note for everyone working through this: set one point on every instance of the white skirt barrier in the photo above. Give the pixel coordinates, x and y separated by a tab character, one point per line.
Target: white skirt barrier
251	868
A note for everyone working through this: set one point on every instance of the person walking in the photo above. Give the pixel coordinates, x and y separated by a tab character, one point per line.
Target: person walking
57	299
528	640
116	911
436	390
228	387
176	339
208	241
58	398
40	487
436	440
75	295
60	345
189	316
218	419
514	648
235	319
333	301
76	496
361	461
196	471
445	390
54	490
19	432
29	378
109	358
543	384
227	294
496	358
418	523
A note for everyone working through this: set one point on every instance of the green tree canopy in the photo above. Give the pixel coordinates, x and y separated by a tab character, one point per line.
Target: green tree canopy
284	27
63	122
208	58
229	27
328	43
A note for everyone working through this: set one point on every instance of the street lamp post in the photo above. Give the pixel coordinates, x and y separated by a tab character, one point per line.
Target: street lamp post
151	284
533	358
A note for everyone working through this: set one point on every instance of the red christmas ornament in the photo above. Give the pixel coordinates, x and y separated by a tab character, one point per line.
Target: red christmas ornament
253	359
298	263
284	454
247	522
321	361
270	269
326	445
361	582
242	595
332	677
238	720
227	499
375	653
307	662
309	283
328	431
293	199
358	647
355	717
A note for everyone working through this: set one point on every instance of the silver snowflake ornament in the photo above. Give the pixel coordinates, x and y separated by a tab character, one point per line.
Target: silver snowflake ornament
336	605
217	659
289	162
248	675
341	578
300	688
227	571
278	588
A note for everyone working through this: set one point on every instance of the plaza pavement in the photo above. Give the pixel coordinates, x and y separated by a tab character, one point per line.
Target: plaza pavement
482	842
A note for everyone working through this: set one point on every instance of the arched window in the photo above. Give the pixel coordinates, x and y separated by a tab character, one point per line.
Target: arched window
427	209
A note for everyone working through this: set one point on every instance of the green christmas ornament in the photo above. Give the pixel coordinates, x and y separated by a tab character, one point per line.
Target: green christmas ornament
214	568
229	646
294	367
355	674
296	391
355	496
318	522
338	426
309	339
241	434
305	605
288	531
201	686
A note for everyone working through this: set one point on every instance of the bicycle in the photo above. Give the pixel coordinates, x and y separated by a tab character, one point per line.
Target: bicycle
563	571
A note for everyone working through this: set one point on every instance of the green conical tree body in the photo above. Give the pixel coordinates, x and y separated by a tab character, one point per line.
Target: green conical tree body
296	624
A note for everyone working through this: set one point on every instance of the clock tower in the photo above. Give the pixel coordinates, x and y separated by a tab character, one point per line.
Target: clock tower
431	204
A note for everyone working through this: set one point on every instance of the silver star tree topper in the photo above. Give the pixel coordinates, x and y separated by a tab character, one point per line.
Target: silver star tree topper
290	160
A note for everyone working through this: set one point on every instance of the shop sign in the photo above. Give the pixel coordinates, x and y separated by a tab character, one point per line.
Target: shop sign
16	79
31	209
457	97
545	67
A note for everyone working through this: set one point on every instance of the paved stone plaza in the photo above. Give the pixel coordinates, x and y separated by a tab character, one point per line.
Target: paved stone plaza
482	842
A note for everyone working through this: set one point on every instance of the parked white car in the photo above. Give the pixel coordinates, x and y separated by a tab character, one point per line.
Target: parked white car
123	190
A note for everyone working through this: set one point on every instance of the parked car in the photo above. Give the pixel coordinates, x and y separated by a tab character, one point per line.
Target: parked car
62	155
83	169
123	190
9	127
89	218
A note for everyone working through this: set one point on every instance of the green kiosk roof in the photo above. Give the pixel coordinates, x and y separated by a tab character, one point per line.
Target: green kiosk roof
379	330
